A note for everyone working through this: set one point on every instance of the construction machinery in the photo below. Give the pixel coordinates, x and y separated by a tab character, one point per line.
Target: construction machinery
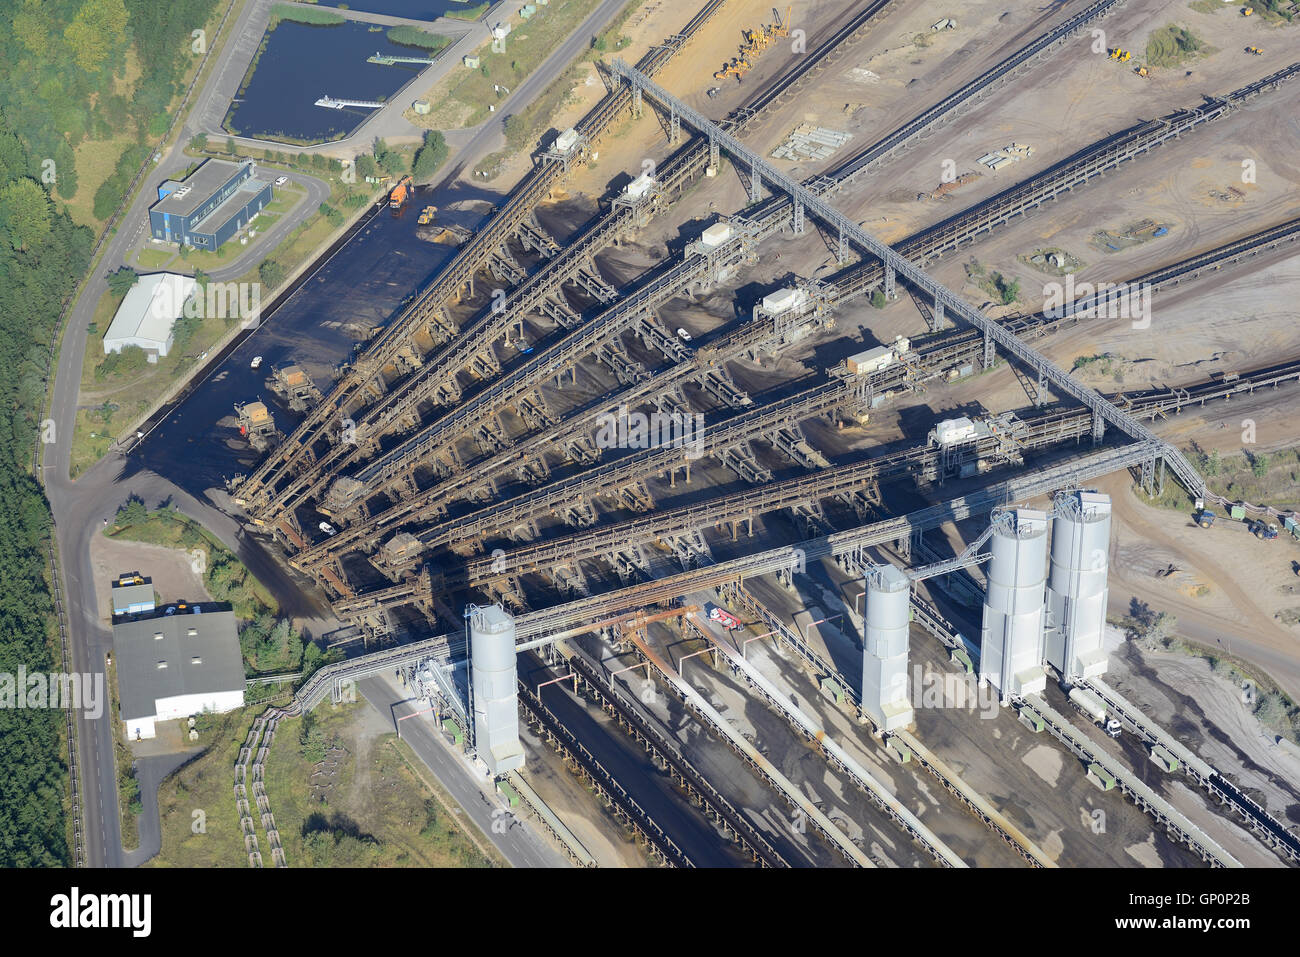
1247	11
781	25
400	193
1142	71
1121	55
1261	529
256	424
738	67
1254	51
427	214
296	388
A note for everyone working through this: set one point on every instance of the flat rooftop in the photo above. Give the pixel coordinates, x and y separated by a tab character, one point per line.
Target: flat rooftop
151	307
247	190
158	657
203	182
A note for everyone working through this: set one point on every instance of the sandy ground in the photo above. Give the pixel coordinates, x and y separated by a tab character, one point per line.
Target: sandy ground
1213	718
173	577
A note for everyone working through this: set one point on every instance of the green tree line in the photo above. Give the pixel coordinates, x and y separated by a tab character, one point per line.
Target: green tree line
72	56
42	254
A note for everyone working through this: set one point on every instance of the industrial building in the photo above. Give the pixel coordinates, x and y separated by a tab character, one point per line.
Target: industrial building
884	648
148	314
210	206
1077	585
1011	639
181	660
496	709
132	594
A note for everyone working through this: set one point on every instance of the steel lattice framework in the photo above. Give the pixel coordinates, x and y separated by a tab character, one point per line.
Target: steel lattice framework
896	265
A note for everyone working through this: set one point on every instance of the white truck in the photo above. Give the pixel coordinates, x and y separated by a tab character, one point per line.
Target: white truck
1092	707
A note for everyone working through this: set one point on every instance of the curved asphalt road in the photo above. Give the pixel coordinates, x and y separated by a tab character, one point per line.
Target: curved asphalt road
80	506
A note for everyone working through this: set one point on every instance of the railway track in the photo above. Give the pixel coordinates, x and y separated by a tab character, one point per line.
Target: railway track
698	788
622	805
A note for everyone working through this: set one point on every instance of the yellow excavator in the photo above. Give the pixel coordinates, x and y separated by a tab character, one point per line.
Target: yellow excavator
1142	71
781	25
738	67
1254	51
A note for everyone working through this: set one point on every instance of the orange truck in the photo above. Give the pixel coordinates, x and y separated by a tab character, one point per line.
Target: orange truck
400	194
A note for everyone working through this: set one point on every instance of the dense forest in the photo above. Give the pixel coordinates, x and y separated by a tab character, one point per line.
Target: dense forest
93	69
42	255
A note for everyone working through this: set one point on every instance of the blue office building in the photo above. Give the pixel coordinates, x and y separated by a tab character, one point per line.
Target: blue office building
211	205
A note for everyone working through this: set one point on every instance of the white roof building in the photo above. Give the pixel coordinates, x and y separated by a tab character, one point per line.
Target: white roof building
177	661
147	314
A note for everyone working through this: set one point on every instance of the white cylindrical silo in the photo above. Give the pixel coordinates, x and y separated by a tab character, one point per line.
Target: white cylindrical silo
1011	639
1077	585
493	680
884	648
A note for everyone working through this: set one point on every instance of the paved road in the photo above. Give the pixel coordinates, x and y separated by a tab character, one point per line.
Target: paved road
519	841
81	506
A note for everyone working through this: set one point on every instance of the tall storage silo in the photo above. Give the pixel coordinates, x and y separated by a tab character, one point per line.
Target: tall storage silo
884	648
1077	584
1011	638
496	710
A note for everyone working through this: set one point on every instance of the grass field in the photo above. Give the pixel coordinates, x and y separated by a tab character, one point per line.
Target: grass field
128	788
200	825
1172	46
463	96
367	803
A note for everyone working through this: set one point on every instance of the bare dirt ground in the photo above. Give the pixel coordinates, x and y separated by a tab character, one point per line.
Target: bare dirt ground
1211	716
173	577
1227	592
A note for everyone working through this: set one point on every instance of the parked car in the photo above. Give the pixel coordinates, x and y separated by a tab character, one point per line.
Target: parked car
281	180
257	361
683	335
328	529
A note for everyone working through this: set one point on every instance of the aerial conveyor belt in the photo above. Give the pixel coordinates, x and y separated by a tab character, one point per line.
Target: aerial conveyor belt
1103	411
1048	429
537	369
994	819
548	621
634	467
775	217
792	793
950	348
500	464
669	176
1063	177
1276	834
438	370
838	757
1161	810
535	186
